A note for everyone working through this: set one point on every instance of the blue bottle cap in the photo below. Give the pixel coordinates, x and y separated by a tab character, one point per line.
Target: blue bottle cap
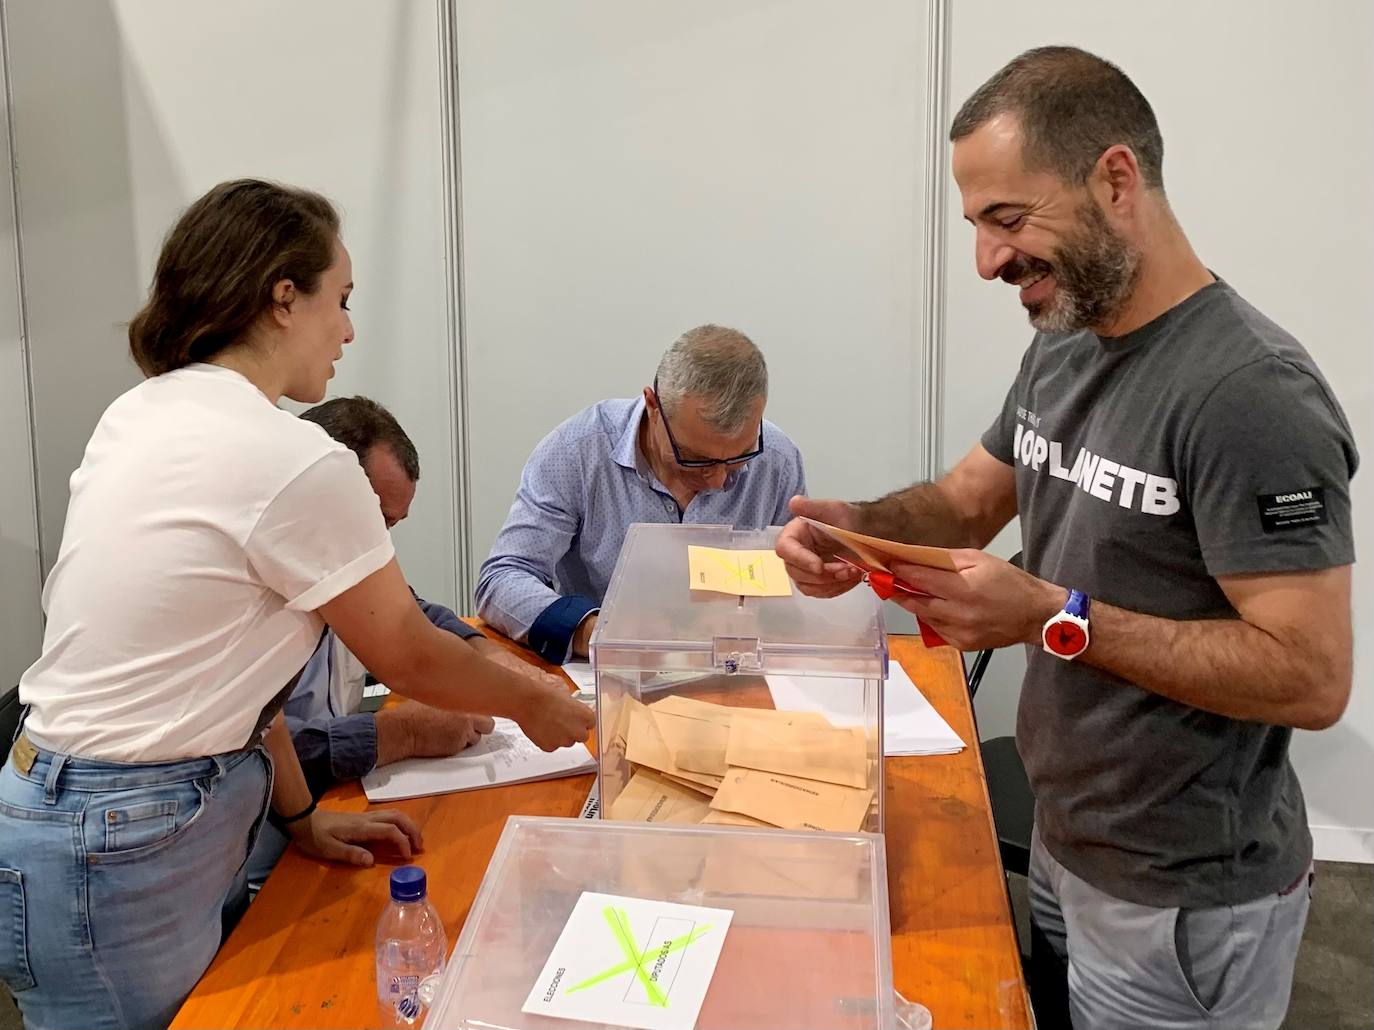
408	883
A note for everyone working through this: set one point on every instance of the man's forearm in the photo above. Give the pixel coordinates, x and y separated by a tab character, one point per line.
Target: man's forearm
447	672
1226	666
290	793
395	735
920	514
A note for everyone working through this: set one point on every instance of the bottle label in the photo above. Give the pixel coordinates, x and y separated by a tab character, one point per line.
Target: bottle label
402	992
410	996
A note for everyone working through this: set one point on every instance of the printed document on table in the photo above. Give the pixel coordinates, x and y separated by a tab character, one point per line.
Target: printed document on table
631	962
505	755
911	725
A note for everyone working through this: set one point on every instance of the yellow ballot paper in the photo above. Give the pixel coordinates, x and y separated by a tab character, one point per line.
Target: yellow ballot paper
742	573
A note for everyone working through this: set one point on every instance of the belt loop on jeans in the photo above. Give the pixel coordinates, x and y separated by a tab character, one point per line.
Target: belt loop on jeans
50	781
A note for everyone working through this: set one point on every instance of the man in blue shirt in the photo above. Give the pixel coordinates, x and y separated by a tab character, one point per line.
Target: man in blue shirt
694	448
333	739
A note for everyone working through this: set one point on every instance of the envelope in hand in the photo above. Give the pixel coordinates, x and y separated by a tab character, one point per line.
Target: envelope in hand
829	753
792	802
878	553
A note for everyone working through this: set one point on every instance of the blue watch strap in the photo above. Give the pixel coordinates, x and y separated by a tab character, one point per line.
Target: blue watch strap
1077	604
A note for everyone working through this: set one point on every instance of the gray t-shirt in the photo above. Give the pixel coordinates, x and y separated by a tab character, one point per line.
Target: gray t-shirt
1203	444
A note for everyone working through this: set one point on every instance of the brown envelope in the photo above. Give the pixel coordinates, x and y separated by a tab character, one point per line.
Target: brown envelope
704	789
718	818
645	746
813	752
792	802
691	708
876	551
651	798
696	745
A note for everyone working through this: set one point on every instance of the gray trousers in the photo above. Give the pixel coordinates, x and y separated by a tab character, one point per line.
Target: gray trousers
1135	966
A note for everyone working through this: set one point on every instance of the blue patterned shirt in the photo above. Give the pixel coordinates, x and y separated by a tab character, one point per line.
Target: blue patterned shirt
581	489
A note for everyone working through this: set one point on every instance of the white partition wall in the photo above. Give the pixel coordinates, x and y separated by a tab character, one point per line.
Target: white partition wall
21	633
128	110
1265	110
632	169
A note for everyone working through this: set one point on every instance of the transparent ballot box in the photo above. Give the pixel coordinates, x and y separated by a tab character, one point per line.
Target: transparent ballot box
807	946
723	708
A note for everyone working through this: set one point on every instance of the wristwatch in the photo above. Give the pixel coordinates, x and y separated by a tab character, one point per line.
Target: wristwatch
1066	634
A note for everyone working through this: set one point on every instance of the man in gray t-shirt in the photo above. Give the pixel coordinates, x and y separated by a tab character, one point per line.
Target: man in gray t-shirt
1181	472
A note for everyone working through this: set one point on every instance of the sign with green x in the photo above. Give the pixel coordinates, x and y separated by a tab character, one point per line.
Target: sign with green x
634	962
631	962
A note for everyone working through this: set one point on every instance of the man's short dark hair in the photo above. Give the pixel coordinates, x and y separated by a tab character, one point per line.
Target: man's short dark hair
1072	106
360	424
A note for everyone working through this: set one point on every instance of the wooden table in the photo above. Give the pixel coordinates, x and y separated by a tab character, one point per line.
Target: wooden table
303	955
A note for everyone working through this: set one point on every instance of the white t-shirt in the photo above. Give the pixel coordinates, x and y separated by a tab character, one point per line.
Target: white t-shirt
205	527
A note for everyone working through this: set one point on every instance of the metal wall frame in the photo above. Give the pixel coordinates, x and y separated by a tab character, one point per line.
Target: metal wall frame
931	340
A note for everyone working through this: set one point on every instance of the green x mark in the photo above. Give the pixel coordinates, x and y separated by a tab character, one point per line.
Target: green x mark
620	929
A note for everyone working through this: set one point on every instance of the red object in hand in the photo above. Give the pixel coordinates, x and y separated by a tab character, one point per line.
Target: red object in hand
886	586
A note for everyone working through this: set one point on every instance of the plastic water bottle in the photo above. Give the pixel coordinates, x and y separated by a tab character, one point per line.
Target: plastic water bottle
411	948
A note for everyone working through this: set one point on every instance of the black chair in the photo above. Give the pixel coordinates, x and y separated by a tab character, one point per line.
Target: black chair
1013	804
10	710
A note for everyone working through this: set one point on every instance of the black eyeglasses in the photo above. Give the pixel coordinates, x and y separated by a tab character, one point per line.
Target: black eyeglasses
703	463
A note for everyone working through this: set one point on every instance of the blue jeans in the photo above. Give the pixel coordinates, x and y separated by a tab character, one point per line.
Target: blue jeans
112	881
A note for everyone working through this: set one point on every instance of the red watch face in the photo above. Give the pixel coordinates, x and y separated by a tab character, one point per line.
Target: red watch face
1065	638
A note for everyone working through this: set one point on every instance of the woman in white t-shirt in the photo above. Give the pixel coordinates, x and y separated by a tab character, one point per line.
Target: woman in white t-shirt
209	538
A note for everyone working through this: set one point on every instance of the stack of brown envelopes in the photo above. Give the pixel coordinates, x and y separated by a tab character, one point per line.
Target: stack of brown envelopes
695	762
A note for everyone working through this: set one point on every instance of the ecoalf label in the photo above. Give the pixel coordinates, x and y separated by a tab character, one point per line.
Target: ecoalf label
1292	509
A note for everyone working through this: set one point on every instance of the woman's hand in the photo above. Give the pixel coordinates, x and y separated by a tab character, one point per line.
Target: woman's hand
336	836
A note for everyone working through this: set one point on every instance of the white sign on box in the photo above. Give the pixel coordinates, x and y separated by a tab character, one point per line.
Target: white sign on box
631	962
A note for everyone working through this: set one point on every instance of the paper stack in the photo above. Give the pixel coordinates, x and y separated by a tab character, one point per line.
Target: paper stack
695	762
501	757
911	725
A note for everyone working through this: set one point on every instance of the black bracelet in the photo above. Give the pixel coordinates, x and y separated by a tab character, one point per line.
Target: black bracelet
288	820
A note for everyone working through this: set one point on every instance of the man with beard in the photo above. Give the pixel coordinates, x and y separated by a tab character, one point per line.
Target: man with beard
1178	458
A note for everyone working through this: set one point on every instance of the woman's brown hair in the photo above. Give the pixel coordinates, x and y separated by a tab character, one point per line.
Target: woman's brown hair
219	264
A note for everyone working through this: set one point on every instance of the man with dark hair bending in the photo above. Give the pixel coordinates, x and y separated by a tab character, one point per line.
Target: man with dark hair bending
1181	471
333	739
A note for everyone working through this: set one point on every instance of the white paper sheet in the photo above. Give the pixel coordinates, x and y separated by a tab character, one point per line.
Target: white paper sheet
631	962
505	755
582	674
911	725
584	677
